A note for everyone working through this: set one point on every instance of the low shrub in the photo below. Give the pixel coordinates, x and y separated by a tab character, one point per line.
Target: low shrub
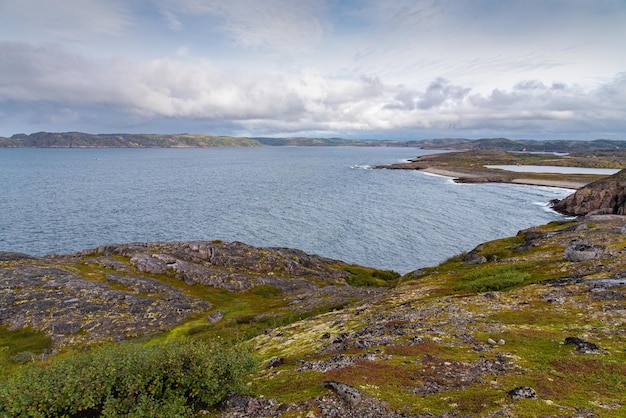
493	279
370	277
23	357
170	379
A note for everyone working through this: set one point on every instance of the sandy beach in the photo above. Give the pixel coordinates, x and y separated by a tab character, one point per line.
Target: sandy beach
534	182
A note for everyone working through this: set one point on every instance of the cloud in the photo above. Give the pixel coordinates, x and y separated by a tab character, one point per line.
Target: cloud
67	20
70	89
278	25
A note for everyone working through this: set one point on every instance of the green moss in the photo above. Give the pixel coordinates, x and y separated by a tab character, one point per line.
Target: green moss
266	291
23	340
290	386
369	277
493	279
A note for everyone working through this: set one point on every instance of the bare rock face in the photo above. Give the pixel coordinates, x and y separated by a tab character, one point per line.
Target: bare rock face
233	266
605	196
106	293
71	309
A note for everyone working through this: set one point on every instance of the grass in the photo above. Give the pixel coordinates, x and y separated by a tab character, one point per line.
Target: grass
494	278
20	343
369	277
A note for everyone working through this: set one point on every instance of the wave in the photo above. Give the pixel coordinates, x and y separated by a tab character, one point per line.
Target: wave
361	167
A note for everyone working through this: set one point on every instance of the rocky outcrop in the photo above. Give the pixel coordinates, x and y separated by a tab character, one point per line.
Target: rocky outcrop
233	266
604	196
71	309
115	292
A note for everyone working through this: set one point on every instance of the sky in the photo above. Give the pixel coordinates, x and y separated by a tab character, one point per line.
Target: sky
393	69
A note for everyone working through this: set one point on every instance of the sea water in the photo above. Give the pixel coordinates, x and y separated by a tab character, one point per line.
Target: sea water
323	200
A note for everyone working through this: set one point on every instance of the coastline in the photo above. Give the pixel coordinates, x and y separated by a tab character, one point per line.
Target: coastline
465	177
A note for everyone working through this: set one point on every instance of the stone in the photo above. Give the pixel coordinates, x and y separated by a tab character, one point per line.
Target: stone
147	264
215	317
491	341
501	342
582	346
475	260
580	249
347	393
523	392
275	362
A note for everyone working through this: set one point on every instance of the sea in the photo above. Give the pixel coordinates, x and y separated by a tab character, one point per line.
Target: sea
323	200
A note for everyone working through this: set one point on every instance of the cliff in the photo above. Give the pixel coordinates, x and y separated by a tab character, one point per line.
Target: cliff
607	196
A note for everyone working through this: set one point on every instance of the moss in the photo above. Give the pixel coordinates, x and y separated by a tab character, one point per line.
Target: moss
369	277
266	291
290	386
20	344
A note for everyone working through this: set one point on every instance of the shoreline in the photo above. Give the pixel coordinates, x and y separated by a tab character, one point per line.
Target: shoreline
464	177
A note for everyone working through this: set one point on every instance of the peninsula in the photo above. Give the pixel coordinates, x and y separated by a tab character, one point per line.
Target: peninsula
474	166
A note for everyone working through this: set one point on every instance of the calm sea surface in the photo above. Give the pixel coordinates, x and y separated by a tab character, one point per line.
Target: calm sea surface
321	200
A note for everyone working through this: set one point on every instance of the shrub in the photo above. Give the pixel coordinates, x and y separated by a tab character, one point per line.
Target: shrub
23	357
171	379
370	277
493	279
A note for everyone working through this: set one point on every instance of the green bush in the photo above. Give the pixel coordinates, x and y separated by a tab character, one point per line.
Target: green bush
370	277
171	379
493	279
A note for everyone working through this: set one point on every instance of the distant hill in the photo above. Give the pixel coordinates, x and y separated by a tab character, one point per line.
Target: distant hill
504	144
85	140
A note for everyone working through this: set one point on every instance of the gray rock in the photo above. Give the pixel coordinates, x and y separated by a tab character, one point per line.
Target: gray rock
581	250
275	362
523	392
147	264
12	256
347	393
475	260
582	346
215	317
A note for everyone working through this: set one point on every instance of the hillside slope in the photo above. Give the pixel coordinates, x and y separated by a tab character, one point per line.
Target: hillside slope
544	311
530	325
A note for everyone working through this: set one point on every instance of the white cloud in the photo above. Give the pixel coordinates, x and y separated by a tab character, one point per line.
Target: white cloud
317	66
309	100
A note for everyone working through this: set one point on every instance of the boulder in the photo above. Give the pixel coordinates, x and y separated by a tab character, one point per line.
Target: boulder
582	346
581	249
350	395
523	392
147	264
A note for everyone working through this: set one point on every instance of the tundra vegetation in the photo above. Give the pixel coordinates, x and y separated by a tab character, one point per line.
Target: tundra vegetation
453	338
